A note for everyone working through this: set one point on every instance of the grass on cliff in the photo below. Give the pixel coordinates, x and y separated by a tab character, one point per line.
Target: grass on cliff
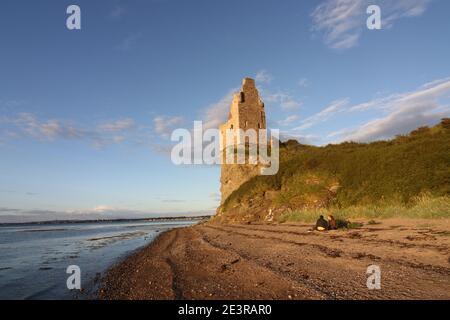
424	207
379	179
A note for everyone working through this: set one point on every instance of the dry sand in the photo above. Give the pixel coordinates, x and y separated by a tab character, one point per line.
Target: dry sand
285	261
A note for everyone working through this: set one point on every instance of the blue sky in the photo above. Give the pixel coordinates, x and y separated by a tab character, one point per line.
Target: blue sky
85	115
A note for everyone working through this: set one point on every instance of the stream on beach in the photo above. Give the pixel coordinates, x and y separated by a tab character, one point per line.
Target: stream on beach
34	257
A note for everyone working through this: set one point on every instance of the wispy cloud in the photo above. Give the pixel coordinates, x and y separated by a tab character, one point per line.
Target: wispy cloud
288	120
28	125
263	77
129	42
217	113
397	113
211	116
435	82
303	83
405	112
50	129
335	107
118	125
164	125
6	104
342	22
285	100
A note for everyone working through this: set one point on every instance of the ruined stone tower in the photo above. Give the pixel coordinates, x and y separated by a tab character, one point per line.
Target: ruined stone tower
246	112
247	109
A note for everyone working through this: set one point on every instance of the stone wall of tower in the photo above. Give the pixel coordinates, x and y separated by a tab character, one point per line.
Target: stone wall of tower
246	112
247	109
251	108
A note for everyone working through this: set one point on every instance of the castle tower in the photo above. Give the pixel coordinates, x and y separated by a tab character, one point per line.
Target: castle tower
246	112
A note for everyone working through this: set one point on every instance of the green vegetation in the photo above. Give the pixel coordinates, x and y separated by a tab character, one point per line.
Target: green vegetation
424	207
407	176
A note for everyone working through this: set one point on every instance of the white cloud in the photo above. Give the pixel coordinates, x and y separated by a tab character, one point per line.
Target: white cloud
435	82
25	125
263	77
288	120
217	113
165	125
398	113
290	104
284	99
129	42
102	208
303	83
378	103
335	107
342	22
405	112
211	116
118	139
118	125
434	89
10	104
48	129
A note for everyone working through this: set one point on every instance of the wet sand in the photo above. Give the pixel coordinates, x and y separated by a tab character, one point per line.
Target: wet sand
285	261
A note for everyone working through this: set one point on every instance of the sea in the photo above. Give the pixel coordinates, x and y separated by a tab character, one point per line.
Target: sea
36	259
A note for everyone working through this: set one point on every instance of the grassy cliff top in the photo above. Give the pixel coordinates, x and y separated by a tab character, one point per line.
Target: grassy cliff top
394	172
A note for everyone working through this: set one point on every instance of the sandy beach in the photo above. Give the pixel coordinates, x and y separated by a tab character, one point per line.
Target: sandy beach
286	261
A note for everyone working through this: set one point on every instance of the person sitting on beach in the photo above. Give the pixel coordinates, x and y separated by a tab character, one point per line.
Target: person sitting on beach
321	224
331	223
